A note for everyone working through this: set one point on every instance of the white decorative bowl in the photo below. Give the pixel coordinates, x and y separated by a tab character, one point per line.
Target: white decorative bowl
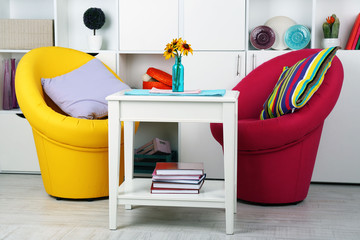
280	24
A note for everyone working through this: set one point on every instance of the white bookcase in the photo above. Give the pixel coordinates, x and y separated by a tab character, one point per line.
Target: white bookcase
136	32
17	148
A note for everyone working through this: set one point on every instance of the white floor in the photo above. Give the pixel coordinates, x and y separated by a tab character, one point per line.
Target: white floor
27	212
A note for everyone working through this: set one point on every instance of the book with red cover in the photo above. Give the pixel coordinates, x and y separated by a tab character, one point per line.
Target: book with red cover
173	190
179	168
353	33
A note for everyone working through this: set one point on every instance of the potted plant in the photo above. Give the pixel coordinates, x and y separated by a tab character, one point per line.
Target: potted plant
177	48
331	32
94	19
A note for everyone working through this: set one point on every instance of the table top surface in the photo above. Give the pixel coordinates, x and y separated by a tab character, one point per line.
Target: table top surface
230	96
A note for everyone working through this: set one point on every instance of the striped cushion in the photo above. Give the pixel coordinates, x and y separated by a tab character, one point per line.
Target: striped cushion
297	84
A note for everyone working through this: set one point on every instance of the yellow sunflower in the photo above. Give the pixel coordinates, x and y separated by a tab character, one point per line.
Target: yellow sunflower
177	47
185	48
169	52
176	43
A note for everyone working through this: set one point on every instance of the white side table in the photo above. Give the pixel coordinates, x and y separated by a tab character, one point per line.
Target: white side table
136	191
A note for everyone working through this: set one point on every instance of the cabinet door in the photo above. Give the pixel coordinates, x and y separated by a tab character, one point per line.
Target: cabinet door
256	58
147	25
338	155
215	25
208	71
213	70
17	147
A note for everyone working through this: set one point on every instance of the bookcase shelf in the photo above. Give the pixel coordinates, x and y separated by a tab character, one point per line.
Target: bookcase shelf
137	191
259	11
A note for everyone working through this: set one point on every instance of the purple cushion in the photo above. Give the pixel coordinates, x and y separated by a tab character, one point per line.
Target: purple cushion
81	93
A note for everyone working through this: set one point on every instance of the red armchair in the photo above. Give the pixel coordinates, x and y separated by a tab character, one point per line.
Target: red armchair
276	157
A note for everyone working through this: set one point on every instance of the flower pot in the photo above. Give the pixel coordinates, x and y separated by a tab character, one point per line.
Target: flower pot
330	42
95	42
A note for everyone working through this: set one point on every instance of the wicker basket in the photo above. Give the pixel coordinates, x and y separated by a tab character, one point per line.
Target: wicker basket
26	33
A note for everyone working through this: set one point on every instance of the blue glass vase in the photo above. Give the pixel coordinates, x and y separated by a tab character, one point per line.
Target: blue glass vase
178	75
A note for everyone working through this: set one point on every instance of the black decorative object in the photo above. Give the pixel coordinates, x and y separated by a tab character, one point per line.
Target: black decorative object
94	18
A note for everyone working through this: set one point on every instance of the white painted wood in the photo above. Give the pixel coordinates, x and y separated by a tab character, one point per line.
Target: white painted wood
313	23
129	149
147	25
61	35
213	70
213	25
4	10
208	70
256	58
129	153
230	157
114	160
137	191
17	147
235	142
27	212
338	158
133	108
108	58
36	9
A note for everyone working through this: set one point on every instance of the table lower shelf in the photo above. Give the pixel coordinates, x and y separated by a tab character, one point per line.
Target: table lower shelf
137	192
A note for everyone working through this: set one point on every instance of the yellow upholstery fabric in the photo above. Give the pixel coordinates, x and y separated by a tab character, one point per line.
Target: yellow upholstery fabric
72	152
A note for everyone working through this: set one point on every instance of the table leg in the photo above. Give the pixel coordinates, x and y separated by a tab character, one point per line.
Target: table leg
229	164
235	155
129	153
114	160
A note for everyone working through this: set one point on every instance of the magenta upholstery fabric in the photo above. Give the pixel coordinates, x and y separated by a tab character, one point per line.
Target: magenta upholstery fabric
276	156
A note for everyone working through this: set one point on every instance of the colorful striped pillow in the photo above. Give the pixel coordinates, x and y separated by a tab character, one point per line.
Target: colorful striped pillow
297	84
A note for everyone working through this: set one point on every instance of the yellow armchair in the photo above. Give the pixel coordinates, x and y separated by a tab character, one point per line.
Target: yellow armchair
72	152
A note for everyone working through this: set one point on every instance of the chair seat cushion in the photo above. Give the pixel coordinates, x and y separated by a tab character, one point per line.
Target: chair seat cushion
297	84
81	93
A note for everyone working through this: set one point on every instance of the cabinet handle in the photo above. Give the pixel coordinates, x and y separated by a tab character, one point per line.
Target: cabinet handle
238	69
254	62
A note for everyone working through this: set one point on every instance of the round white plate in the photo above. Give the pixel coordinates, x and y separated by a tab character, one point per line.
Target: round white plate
280	24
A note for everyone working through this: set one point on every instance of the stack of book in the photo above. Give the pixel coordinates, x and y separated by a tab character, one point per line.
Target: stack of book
174	177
